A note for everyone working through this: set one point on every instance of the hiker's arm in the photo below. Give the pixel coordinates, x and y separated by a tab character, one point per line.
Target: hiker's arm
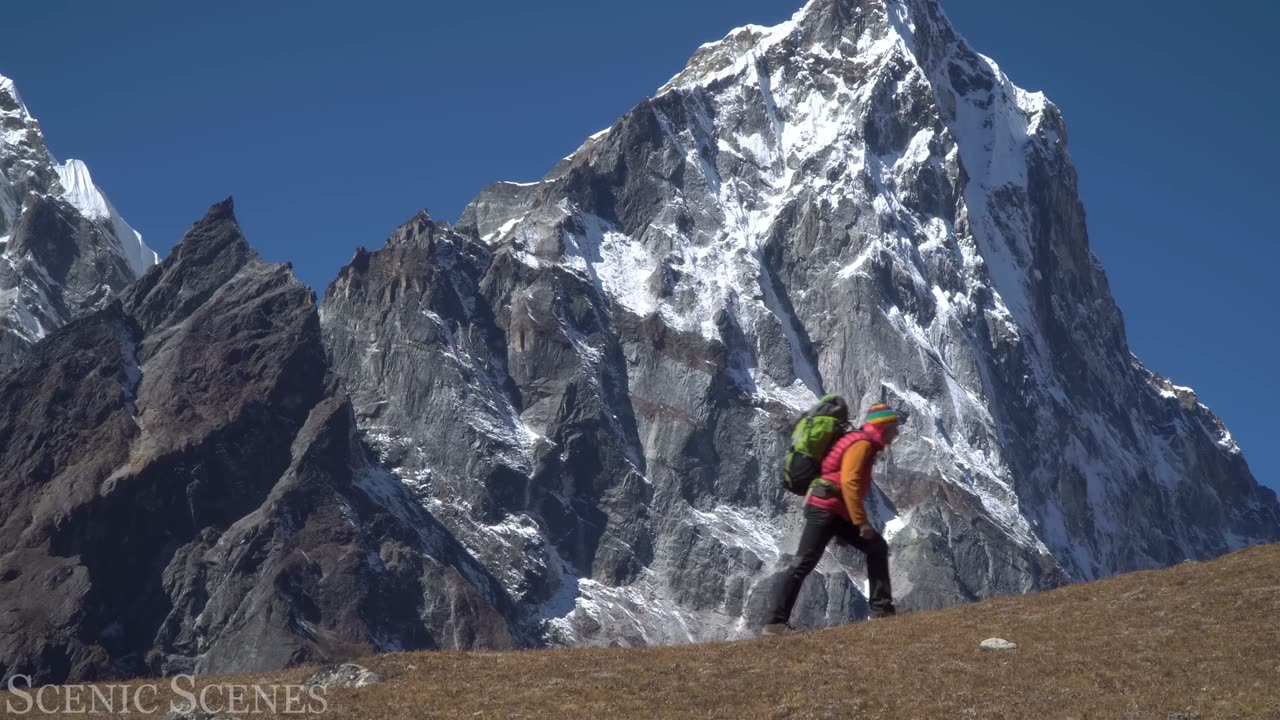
853	480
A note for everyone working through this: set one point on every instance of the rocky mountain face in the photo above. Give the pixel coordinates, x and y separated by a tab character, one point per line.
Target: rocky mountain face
561	420
184	491
590	378
64	249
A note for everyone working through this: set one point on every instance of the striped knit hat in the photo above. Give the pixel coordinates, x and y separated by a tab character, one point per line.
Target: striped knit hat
881	414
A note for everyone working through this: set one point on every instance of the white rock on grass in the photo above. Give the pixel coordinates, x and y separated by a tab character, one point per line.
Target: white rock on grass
343	676
187	711
997	644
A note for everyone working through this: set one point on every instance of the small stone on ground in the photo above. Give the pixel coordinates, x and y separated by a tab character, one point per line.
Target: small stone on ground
997	644
343	676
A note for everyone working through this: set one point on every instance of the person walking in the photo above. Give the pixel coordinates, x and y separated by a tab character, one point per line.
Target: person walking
836	508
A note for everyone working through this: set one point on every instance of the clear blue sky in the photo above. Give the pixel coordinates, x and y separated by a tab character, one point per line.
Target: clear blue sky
333	122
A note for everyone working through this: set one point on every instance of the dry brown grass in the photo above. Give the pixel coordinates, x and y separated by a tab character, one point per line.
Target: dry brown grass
1200	640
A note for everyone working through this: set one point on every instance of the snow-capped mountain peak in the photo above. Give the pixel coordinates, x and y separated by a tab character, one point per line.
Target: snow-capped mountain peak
851	201
50	270
79	190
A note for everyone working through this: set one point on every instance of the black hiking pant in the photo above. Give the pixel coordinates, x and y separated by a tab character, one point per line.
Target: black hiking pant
820	526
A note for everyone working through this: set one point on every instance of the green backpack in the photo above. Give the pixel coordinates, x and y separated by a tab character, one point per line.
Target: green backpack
814	435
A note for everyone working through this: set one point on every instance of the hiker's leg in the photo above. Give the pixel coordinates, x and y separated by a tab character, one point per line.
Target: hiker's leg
877	553
818	529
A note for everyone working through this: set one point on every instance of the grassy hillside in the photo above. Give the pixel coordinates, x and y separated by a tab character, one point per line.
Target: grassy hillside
1200	640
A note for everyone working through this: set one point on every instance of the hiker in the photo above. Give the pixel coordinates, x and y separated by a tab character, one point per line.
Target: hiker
834	508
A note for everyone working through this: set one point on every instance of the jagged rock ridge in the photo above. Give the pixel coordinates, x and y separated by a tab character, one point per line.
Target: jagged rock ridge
184	491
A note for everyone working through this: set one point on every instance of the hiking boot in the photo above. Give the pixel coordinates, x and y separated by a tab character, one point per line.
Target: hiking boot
776	629
881	613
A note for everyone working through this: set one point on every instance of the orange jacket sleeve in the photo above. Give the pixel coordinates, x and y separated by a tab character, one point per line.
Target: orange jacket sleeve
854	479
